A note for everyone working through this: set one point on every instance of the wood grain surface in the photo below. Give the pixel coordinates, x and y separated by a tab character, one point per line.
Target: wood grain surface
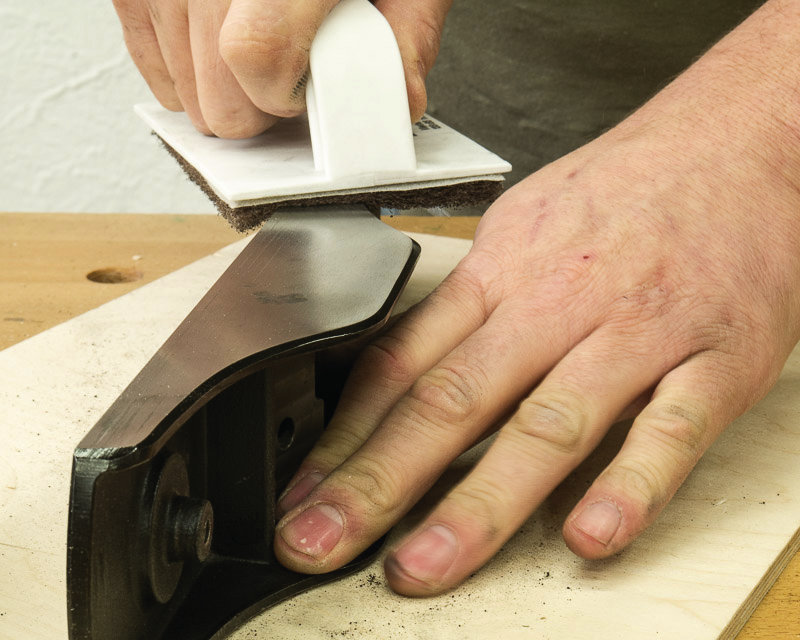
45	260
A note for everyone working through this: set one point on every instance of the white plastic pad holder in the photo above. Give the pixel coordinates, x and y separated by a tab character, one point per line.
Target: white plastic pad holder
356	97
357	138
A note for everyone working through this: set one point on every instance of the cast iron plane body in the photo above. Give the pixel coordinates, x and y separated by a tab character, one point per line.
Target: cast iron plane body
172	503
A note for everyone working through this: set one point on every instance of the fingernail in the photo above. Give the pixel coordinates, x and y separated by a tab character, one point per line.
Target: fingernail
291	498
315	531
427	556
599	521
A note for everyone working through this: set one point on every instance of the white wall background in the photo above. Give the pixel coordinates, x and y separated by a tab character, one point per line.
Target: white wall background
69	140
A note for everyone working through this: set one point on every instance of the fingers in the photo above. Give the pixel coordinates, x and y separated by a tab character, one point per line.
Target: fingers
140	38
170	22
417	26
232	66
266	45
443	413
552	431
685	416
226	109
235	66
386	370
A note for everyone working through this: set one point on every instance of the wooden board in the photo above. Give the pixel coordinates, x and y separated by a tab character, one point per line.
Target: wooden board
44	258
700	568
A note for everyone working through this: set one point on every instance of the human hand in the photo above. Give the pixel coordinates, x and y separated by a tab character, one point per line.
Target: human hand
653	272
236	66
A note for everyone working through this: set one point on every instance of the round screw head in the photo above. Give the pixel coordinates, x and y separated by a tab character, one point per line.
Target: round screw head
190	526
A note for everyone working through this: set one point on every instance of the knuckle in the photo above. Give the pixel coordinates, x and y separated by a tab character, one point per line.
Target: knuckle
558	424
678	426
472	286
572	274
642	481
481	502
240	40
389	357
250	49
562	283
468	279
376	491
569	275
480	269
448	394
239	46
652	298
334	446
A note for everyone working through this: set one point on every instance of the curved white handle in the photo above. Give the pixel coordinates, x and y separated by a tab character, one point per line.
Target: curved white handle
356	97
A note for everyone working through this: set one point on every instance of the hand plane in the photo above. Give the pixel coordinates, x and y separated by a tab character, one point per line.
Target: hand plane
172	502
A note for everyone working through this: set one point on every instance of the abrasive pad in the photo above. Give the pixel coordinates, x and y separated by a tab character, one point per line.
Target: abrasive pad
247	217
248	179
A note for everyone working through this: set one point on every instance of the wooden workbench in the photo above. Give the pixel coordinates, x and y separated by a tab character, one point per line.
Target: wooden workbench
45	260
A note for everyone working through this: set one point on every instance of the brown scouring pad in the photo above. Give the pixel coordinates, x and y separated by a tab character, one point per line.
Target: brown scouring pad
250	217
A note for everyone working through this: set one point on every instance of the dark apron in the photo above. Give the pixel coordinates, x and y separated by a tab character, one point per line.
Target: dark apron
534	79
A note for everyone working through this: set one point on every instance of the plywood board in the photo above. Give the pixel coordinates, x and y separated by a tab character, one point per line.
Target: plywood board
695	574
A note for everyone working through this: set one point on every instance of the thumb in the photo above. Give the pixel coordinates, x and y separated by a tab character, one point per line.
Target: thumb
417	25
